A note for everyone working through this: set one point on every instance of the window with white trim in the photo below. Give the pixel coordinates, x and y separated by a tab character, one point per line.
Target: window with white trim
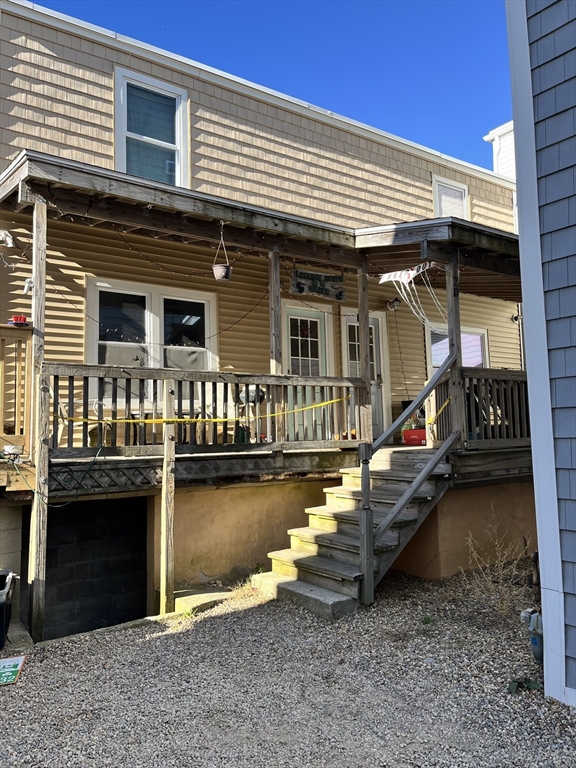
151	326
151	128
450	198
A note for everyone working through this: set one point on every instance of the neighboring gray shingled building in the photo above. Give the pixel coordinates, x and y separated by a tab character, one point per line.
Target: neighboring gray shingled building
542	36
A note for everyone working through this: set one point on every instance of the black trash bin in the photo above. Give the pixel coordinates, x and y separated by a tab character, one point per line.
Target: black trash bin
6	590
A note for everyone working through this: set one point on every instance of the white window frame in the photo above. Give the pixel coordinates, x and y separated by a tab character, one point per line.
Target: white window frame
154	317
121	78
436	180
482	332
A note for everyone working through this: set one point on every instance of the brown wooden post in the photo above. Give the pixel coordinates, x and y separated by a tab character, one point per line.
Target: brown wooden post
167	508
39	517
365	404
275	309
457	407
39	226
274	303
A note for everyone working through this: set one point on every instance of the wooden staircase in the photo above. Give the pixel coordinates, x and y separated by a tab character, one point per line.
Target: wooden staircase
322	569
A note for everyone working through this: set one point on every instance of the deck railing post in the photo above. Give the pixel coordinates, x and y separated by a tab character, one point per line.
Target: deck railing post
366	528
167	508
457	405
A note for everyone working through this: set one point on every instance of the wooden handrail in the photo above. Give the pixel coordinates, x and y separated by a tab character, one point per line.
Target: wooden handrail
420	479
415	404
502	374
159	374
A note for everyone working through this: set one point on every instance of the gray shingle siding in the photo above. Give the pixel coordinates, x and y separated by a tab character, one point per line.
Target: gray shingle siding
552	38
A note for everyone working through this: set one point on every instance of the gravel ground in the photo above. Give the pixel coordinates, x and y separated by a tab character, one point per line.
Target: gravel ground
420	679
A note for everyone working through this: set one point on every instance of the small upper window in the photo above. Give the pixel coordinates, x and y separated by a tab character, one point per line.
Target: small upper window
151	127
450	199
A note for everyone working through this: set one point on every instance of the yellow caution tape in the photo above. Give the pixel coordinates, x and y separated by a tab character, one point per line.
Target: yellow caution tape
433	419
200	420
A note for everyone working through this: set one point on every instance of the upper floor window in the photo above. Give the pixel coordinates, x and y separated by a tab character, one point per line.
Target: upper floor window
151	128
450	198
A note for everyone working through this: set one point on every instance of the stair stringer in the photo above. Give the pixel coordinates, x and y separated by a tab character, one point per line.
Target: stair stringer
407	532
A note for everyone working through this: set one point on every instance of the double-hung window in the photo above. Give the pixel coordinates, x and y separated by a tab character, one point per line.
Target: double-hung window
450	198
151	128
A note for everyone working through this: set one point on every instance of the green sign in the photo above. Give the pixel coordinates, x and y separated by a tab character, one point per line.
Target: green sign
319	284
10	669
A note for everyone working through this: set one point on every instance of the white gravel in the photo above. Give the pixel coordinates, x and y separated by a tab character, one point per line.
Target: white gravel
420	679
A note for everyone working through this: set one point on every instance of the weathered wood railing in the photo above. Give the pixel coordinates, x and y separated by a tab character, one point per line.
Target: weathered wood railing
120	409
15	388
496	409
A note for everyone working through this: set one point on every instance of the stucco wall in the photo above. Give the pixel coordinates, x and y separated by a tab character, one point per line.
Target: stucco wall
439	548
224	532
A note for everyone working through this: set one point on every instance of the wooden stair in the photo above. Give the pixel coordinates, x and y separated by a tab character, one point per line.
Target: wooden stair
321	570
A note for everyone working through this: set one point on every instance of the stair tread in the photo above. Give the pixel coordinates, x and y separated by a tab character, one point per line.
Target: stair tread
321	565
341	540
394	473
352	514
323	602
376	494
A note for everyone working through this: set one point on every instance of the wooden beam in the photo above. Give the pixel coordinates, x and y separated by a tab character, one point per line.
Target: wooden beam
364	394
487	262
275	311
457	407
114	184
366	520
39	517
157	222
167	504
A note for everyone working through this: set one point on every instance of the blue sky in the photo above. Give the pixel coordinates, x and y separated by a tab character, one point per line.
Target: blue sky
432	71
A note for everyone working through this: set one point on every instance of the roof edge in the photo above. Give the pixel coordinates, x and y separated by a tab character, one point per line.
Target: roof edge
40	14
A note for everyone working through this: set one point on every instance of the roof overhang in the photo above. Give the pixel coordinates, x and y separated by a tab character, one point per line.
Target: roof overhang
489	258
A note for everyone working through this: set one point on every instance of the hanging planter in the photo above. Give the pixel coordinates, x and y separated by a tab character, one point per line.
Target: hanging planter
222	272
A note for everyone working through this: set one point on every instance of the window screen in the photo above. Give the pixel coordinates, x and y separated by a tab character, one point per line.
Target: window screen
153	116
451	201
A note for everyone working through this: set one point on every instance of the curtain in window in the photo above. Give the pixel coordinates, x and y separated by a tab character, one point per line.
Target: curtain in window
150	162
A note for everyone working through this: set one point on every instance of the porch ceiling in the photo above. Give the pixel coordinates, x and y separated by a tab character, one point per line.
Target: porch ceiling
488	258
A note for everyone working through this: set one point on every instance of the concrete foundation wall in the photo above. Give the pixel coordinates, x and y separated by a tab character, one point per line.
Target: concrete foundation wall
10	546
439	548
225	532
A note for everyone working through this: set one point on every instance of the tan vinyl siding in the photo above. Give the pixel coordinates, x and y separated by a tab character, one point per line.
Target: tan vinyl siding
57	97
76	252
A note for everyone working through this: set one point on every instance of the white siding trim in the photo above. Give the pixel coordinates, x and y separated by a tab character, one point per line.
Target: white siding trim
130	46
545	491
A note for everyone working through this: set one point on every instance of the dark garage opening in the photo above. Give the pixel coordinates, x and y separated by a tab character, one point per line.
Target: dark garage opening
95	565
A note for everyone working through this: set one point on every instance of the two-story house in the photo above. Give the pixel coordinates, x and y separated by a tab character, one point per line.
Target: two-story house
167	426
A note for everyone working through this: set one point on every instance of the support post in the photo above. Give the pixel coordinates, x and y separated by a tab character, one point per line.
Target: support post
39	517
274	303
167	507
366	528
457	405
39	225
365	404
